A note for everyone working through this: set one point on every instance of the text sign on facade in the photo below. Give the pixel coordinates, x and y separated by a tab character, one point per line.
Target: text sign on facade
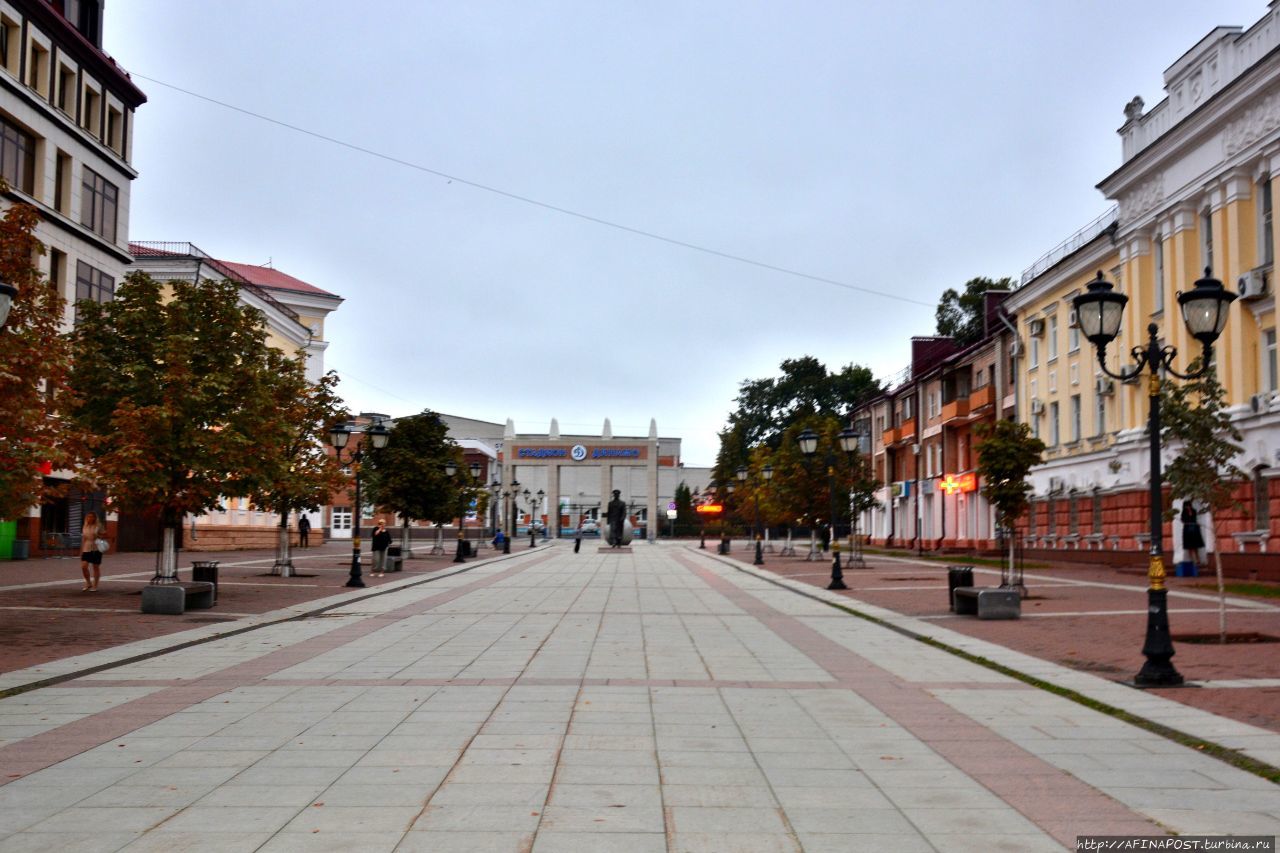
579	453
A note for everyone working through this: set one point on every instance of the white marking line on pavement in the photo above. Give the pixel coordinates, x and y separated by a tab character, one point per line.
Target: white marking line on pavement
1238	682
121	610
1061	581
234	583
1172	610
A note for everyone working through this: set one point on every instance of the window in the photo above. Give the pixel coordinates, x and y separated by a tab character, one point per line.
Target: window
98	201
9	30
114	125
1261	514
1075	417
1097	512
66	89
1074	373
1206	239
1053	337
1269	376
17	157
1100	415
1157	292
93	284
1054	436
62	183
1033	350
38	70
57	271
1073	338
90	118
341	519
1267	245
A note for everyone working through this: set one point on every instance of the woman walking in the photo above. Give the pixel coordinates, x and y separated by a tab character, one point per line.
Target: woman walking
1192	539
91	533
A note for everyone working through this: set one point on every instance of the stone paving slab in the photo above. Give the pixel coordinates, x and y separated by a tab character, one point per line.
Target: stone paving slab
663	700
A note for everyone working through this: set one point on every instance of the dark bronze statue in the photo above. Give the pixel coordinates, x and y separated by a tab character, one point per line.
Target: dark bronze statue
615	515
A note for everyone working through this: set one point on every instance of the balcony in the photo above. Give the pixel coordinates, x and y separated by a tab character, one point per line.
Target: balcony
892	436
984	396
955	410
908	429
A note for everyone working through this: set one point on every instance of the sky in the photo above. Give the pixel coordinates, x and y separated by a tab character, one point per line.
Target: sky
590	210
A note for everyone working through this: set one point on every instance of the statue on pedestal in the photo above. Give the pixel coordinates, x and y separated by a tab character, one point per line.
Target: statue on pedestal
616	515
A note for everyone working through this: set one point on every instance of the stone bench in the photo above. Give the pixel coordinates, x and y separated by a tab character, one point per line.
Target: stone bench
988	602
173	599
1252	537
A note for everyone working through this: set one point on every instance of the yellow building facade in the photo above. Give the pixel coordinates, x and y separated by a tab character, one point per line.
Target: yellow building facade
1194	190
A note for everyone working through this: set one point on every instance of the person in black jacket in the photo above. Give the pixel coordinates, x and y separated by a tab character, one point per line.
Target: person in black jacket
381	542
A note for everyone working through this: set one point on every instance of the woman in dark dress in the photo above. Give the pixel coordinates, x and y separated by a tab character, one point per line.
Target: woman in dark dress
1192	541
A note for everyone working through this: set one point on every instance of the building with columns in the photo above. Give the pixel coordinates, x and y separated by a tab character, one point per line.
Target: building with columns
1193	191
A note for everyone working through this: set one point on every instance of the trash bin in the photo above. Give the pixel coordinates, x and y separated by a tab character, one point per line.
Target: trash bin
21	549
957	576
206	570
466	548
395	562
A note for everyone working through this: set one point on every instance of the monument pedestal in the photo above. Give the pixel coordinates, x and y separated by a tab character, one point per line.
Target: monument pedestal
607	549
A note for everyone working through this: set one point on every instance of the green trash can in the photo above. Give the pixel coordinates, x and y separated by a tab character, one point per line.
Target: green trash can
8	533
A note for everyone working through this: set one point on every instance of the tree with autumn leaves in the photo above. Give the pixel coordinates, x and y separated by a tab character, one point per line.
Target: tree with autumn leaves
186	402
35	358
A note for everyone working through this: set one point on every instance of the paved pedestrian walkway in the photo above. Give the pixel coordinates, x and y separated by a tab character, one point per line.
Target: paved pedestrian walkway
659	700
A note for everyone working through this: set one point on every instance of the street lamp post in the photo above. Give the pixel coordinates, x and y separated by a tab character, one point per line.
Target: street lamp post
808	440
338	437
1204	311
725	539
767	474
451	469
495	489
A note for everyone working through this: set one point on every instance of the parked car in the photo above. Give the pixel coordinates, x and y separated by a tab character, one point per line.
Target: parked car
589	528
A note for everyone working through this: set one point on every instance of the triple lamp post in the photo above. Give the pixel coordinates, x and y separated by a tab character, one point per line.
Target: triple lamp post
1204	310
808	441
450	469
338	437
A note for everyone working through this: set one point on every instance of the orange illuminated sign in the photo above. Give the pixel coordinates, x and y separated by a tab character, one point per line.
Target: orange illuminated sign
967	482
710	509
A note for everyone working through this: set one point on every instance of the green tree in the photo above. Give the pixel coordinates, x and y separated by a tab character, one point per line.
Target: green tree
683	499
297	473
1006	454
1203	471
408	476
35	358
960	315
766	408
173	382
801	491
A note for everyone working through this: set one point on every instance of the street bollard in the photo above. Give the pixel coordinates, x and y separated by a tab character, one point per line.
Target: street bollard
759	560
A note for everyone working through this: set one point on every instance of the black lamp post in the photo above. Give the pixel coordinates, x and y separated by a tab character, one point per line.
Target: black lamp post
767	474
1204	310
508	502
451	469
808	441
495	489
725	538
8	293
338	437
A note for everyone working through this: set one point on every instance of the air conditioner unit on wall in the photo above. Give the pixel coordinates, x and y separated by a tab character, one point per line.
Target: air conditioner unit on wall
1104	386
1253	284
1036	328
1073	319
1015	348
1037	406
1260	402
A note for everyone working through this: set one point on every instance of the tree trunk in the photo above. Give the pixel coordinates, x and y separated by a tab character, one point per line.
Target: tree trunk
169	552
1222	587
283	566
405	551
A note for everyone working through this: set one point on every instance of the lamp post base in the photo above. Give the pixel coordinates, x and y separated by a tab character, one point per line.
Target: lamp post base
1158	671
457	557
837	576
355	580
759	560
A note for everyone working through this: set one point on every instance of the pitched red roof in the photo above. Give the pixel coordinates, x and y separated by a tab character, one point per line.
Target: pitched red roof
273	279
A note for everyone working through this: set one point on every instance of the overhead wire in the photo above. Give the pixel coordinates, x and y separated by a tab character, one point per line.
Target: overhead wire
564	211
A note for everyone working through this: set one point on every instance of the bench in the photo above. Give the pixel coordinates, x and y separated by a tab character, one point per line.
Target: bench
988	602
1251	537
173	599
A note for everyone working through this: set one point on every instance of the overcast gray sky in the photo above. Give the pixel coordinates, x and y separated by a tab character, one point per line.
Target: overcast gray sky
898	149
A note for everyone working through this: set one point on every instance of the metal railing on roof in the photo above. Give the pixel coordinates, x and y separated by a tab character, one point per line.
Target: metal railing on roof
1072	244
160	249
897	380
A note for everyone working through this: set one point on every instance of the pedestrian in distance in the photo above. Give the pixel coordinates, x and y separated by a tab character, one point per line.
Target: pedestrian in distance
304	531
1192	540
381	542
92	543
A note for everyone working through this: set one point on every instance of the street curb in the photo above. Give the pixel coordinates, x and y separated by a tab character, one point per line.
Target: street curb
1228	755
